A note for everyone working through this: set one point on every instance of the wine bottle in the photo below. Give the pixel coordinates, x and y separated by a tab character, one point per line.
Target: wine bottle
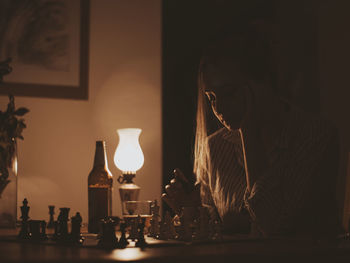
100	184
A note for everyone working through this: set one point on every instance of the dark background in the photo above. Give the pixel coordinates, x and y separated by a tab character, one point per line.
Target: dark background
186	27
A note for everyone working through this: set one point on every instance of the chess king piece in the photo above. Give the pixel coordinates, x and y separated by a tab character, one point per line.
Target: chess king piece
75	234
108	238
51	224
100	184
24	233
123	242
141	242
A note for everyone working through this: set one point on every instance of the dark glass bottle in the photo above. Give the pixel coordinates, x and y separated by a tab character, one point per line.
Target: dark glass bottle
100	184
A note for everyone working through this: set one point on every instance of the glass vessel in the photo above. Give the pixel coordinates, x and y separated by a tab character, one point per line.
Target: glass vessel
128	158
100	184
8	190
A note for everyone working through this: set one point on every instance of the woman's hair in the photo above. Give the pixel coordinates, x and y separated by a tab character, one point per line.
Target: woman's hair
251	52
201	147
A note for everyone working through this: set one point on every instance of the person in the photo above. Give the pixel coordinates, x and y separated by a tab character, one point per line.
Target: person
269	166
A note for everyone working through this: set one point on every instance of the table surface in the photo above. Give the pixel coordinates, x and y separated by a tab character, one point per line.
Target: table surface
232	249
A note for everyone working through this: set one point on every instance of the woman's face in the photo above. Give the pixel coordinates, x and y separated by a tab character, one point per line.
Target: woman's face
225	87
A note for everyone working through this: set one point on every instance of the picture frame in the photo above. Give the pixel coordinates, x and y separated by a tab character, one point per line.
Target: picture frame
48	43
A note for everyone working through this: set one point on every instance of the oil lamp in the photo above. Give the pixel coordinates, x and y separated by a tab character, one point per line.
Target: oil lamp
128	158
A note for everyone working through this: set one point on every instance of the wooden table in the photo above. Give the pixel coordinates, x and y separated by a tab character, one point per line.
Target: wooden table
232	250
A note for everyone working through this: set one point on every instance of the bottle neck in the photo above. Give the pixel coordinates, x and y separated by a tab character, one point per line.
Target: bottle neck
100	154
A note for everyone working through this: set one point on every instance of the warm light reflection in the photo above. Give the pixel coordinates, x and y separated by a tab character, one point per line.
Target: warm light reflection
128	156
127	254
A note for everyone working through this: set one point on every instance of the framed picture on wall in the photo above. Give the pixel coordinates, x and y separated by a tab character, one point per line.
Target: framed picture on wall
47	41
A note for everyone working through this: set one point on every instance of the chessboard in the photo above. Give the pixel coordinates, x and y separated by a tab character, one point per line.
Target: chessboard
115	232
92	240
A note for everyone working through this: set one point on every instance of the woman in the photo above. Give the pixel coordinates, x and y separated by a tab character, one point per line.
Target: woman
270	163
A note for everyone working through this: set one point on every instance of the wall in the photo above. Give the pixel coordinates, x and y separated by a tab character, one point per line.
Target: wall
124	91
334	56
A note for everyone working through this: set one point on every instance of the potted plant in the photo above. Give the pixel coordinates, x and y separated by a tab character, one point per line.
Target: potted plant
11	127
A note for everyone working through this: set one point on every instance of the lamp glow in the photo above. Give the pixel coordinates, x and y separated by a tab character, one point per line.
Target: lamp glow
128	156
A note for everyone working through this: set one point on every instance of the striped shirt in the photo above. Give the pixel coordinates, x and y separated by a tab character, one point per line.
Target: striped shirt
296	194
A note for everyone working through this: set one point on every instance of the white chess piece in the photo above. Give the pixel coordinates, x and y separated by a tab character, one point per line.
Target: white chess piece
170	225
154	229
203	224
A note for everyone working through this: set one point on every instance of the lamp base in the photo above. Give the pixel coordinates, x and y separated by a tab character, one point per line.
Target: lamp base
129	192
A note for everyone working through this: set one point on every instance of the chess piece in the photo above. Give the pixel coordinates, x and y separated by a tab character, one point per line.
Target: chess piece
55	235
215	231
186	222
35	230
123	242
133	229
163	231
62	221
154	229
108	238
155	208
24	233
203	226
170	226
51	224
43	230
180	228
141	242
75	234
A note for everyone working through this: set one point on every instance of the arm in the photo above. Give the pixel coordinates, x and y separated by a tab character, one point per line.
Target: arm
278	199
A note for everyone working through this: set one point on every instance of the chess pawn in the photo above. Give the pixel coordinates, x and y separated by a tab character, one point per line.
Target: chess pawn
123	242
170	226
155	208
51	224
75	235
188	215
63	219
164	230
141	242
203	226
43	230
154	229
55	235
215	233
133	229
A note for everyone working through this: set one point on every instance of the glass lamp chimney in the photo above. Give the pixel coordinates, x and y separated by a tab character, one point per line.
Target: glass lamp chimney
128	158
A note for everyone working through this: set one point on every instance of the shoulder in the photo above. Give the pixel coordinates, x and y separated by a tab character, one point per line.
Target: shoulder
224	135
